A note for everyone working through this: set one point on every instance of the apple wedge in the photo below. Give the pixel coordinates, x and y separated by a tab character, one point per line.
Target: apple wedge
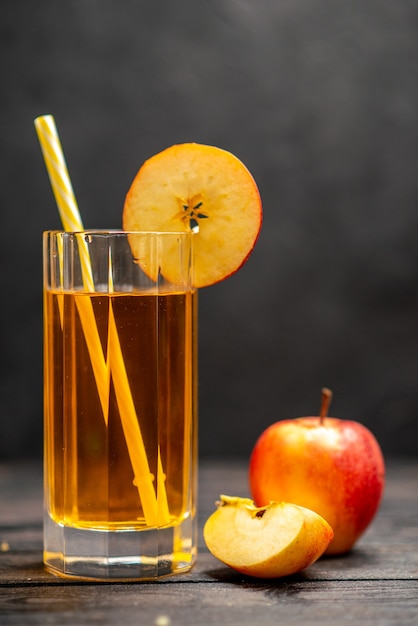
198	188
265	542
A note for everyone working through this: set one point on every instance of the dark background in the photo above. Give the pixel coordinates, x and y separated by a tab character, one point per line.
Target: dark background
320	99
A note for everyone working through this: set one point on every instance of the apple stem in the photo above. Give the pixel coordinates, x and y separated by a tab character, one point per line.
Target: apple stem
326	397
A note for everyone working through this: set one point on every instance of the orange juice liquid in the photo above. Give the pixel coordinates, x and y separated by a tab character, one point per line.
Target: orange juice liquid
89	479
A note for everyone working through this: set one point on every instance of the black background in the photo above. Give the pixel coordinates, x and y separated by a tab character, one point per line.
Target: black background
320	99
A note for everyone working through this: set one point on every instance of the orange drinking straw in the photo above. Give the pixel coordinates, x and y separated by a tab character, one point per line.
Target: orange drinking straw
156	512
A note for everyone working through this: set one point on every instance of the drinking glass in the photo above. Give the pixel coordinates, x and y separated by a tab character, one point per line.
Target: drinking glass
120	404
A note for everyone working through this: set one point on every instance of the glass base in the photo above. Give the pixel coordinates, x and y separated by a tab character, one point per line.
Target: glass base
122	555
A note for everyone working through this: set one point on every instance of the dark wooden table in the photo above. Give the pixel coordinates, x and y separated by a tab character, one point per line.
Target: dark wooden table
377	583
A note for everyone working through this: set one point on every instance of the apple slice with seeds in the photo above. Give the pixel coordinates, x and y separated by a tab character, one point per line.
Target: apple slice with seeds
266	542
200	188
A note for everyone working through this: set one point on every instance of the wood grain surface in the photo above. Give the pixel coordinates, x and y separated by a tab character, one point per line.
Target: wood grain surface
377	583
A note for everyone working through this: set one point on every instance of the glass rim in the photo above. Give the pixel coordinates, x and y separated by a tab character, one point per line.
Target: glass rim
118	231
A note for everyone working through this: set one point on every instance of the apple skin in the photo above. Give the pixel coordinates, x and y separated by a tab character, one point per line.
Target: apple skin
332	466
277	540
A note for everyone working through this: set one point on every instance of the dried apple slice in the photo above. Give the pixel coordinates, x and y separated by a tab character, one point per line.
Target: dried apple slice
201	188
266	542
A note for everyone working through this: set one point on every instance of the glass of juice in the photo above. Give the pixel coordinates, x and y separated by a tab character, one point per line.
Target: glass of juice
120	404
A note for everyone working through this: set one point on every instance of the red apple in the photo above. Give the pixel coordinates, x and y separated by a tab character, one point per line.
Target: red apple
332	466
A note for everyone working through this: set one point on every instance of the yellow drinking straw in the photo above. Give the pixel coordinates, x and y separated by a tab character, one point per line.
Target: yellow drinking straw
155	509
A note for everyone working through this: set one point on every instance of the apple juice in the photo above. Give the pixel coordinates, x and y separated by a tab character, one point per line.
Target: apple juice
89	479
